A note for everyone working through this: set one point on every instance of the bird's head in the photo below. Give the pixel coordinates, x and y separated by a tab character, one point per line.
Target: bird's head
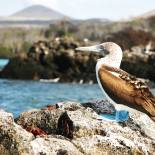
111	52
104	48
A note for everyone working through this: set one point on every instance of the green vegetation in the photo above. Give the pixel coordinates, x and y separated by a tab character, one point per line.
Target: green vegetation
16	40
5	52
130	33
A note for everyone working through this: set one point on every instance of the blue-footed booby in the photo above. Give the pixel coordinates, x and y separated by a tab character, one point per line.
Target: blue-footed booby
119	87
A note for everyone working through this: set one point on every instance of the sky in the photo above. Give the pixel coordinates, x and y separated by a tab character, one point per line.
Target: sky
84	9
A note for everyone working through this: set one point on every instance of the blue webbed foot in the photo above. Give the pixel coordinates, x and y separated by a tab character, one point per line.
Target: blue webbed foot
117	116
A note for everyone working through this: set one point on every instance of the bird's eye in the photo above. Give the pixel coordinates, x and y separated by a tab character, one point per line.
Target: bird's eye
102	48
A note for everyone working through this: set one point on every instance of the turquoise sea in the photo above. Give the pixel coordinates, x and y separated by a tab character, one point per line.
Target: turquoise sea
3	62
18	96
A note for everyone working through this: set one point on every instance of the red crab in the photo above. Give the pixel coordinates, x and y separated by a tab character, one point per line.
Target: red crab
36	131
49	107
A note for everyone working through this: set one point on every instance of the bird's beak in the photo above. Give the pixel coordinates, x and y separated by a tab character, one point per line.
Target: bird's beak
95	48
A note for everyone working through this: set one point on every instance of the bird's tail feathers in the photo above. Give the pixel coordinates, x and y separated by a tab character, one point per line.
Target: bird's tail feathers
149	105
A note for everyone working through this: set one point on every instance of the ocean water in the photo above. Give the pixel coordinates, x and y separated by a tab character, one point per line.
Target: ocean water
3	62
17	96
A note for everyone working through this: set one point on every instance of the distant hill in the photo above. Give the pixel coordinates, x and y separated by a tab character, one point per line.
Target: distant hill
97	20
41	16
148	14
38	12
33	16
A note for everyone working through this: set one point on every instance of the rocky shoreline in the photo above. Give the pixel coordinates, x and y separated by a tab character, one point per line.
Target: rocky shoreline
57	59
73	128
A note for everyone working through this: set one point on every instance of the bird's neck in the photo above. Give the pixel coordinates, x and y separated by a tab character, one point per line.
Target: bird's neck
112	60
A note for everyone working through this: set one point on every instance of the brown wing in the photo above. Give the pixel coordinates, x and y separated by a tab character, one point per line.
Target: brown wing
126	89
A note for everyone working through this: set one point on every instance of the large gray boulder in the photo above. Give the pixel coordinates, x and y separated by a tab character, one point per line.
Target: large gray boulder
14	139
73	128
